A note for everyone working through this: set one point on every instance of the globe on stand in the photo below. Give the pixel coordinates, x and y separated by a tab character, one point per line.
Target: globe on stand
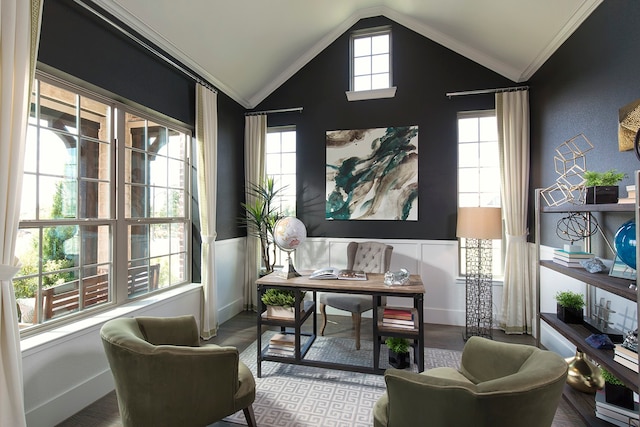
289	233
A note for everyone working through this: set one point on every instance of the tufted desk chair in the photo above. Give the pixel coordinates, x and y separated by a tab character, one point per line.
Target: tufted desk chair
370	257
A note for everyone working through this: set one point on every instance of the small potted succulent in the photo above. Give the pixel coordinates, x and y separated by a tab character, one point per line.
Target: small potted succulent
570	307
398	352
615	392
602	187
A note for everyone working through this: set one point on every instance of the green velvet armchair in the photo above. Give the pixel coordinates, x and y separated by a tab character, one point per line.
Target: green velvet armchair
164	377
498	384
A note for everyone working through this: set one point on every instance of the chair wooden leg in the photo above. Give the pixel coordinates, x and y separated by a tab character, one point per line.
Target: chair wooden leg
323	310
357	317
250	416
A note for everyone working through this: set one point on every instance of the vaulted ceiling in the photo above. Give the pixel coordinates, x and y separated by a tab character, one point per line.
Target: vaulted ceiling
248	48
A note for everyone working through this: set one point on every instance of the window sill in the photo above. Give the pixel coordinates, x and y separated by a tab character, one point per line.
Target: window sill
36	342
371	94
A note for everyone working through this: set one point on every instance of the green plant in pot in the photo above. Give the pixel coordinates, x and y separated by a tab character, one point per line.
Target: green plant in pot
602	187
570	307
615	392
280	303
260	218
279	297
398	352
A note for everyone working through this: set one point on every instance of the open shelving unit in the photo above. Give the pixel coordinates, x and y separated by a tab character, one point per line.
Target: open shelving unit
584	403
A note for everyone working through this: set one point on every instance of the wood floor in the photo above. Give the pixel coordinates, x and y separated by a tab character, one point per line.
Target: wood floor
240	332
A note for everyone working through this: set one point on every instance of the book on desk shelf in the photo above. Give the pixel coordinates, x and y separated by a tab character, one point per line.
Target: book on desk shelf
398	317
336	273
281	345
397	313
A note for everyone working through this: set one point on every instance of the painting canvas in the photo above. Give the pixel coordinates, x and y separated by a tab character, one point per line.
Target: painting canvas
372	174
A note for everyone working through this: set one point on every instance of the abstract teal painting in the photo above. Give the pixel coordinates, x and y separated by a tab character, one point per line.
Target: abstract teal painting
372	174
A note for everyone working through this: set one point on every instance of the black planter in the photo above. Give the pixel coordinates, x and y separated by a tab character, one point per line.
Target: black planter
570	315
602	194
399	360
618	395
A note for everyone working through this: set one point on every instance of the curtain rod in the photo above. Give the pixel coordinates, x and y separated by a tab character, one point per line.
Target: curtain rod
281	110
146	46
481	91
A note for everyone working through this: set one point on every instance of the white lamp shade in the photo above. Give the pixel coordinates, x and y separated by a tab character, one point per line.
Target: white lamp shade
479	223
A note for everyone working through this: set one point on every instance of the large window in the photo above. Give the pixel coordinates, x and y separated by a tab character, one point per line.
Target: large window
103	216
281	166
479	170
371	60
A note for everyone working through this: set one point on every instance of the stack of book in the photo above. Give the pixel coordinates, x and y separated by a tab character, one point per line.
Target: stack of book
631	195
626	356
615	414
570	259
282	345
398	317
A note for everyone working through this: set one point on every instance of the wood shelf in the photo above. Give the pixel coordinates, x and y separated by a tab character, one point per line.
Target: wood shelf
615	285
309	308
584	403
577	335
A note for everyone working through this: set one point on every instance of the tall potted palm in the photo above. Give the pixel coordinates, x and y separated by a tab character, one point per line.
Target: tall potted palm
261	216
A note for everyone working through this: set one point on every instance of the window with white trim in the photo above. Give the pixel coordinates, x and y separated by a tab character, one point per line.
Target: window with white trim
280	164
104	217
370	59
479	171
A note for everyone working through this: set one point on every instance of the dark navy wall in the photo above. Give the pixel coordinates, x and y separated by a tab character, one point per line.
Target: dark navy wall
423	72
580	89
79	44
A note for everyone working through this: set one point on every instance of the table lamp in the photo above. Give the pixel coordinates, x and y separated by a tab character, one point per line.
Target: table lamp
479	226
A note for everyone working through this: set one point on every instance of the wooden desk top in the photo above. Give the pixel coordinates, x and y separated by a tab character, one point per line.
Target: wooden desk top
373	284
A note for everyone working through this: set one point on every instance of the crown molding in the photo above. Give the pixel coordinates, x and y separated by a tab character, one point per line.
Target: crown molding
580	15
151	35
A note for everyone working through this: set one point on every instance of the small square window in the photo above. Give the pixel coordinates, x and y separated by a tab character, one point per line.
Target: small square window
370	60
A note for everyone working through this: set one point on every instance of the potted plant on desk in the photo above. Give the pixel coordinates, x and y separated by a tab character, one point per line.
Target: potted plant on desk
570	307
398	352
280	303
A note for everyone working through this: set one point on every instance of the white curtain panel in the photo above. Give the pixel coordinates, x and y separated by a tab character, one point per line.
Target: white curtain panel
255	135
207	140
19	29
512	111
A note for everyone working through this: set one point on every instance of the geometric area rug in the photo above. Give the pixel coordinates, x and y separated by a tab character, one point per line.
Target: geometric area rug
304	396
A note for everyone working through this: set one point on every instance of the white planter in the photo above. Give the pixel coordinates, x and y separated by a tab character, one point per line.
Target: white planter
280	312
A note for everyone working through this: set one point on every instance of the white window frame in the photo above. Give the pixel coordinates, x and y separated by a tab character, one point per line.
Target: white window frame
118	258
497	245
386	92
275	169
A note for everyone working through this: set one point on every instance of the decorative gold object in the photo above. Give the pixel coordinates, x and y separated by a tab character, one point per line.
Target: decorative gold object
628	124
583	375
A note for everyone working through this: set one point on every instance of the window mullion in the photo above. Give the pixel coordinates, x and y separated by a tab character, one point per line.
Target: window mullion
121	250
